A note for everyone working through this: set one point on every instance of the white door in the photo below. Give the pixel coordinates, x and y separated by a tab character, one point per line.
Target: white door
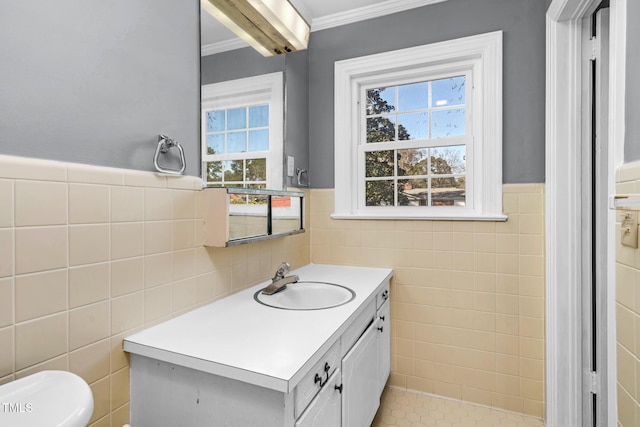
360	397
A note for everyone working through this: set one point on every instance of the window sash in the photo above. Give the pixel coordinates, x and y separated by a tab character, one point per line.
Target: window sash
243	93
363	209
234	182
365	147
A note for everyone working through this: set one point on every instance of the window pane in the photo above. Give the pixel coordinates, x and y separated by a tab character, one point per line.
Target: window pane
413	161
379	163
236	142
447	123
258	116
258	140
215	121
413	126
448	91
448	192
381	129
237	118
413	192
380	193
215	143
449	159
214	171
413	97
439	166
233	170
256	170
381	100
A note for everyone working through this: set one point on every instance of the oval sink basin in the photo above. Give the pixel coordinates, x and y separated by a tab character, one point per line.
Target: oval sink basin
307	295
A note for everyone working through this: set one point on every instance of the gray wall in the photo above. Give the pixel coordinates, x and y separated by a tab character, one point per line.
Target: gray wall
523	23
95	82
296	139
246	62
238	64
632	107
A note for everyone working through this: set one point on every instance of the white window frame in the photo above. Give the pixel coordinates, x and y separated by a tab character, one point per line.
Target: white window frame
482	55
263	89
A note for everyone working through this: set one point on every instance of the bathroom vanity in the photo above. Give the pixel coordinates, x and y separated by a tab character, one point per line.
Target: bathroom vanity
239	362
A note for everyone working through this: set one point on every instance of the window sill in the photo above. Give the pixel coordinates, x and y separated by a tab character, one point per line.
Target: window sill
427	217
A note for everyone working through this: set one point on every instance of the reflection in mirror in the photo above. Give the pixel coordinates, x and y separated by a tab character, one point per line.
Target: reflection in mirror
237	130
248	215
286	214
232	60
235	216
271	27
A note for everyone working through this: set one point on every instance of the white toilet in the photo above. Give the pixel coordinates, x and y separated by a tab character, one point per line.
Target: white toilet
46	399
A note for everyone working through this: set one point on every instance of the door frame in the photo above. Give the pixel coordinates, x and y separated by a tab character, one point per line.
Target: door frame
563	134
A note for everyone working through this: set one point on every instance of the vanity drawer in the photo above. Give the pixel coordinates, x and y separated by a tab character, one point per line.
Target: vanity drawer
382	295
357	328
316	379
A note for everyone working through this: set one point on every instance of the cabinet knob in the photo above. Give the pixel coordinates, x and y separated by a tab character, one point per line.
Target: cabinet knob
382	318
380	328
338	387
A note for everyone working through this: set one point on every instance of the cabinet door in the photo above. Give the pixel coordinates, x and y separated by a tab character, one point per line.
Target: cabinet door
384	345
360	397
326	408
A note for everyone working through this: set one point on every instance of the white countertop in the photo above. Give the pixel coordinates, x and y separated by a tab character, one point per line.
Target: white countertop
239	338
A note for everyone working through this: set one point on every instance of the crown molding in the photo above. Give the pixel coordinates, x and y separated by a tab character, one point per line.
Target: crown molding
302	9
223	46
367	12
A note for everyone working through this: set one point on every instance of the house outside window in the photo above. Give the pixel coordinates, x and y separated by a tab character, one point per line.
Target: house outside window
419	132
242	133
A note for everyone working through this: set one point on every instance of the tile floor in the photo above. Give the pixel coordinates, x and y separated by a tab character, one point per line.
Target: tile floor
407	409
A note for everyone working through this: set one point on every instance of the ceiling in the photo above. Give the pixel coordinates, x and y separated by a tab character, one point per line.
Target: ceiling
321	14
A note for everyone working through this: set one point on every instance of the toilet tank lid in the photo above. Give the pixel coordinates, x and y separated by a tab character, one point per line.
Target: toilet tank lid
46	398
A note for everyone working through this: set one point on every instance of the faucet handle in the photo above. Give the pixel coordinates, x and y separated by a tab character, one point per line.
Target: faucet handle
283	269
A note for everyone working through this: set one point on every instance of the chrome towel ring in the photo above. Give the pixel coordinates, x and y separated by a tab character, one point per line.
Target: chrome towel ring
164	144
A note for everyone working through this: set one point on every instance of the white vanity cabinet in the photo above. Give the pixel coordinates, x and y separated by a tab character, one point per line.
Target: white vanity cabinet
384	340
326	408
365	367
316	380
366	362
262	379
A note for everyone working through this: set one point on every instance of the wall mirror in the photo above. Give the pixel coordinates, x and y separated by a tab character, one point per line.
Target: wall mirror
226	58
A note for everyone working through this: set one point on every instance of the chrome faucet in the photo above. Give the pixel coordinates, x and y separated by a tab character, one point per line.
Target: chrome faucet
280	280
